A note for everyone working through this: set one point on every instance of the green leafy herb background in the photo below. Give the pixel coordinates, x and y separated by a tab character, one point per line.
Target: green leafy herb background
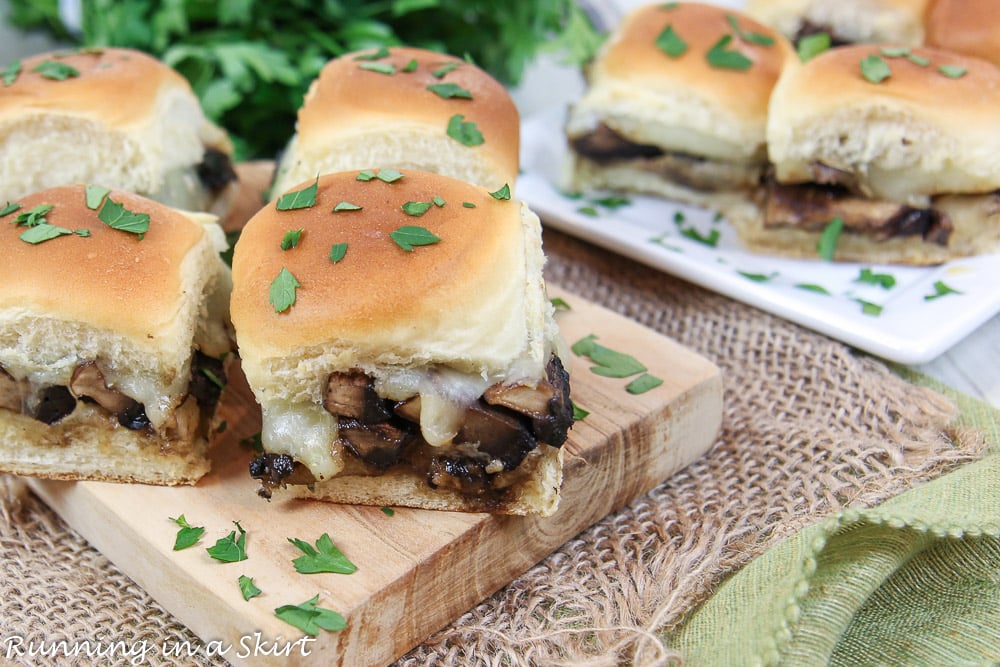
251	62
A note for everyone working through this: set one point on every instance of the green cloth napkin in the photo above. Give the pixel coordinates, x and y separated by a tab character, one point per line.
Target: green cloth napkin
913	581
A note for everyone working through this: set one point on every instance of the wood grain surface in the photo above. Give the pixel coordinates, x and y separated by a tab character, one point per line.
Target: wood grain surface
418	570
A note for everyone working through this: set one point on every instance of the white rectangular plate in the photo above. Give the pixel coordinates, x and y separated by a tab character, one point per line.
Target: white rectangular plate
910	328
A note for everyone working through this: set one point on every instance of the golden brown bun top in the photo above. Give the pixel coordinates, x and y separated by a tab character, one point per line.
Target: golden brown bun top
380	298
834	78
110	279
346	96
118	86
633	55
967	26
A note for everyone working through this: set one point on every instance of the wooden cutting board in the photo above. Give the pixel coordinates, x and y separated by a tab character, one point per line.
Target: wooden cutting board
418	570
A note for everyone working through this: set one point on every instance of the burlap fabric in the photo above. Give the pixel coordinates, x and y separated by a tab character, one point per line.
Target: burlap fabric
810	426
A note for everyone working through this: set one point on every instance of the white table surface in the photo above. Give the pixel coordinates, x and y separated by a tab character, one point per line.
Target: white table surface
972	366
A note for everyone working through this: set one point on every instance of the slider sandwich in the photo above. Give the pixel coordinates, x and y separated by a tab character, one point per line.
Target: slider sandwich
895	149
404	108
845	21
112	116
113	328
395	329
971	27
676	106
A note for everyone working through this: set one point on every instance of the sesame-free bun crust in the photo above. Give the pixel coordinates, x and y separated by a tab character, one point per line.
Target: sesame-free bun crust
353	118
971	27
900	21
127	121
917	133
683	103
474	301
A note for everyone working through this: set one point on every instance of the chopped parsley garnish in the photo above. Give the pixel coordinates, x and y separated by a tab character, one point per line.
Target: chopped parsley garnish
365	175
231	548
380	68
382	52
444	69
671	43
895	51
643	383
918	60
337	252
559	304
952	71
747	35
613	201
869	277
11	72
811	287
43	232
388	511
438	201
304	198
668	6
711	239
188	535
9	208
468	204
248	588
940	290
291	239
410	66
579	413
503	193
718	56
35	216
449	90
282	291
213	378
346	206
812	45
464	132
869	308
588	210
94	195
679	217
828	239
408	236
325	557
116	216
384	175
875	69
253	443
309	618
416	208
758	277
55	70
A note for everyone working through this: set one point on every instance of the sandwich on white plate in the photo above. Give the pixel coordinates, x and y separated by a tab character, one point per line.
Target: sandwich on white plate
113	116
114	331
892	152
676	106
405	108
395	329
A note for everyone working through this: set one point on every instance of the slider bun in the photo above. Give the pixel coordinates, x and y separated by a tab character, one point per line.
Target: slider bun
917	133
137	305
475	301
352	118
127	121
899	21
971	27
682	104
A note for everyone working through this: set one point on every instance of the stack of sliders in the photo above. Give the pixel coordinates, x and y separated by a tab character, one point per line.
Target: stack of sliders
845	21
113	330
900	147
112	116
405	108
676	106
395	329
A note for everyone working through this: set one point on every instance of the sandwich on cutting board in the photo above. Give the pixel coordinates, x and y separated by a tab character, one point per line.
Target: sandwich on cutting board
113	330
117	117
404	108
394	327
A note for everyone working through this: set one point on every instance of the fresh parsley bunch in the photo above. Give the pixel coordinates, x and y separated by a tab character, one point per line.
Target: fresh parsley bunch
251	62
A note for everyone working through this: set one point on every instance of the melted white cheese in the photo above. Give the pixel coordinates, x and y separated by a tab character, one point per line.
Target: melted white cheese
304	432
